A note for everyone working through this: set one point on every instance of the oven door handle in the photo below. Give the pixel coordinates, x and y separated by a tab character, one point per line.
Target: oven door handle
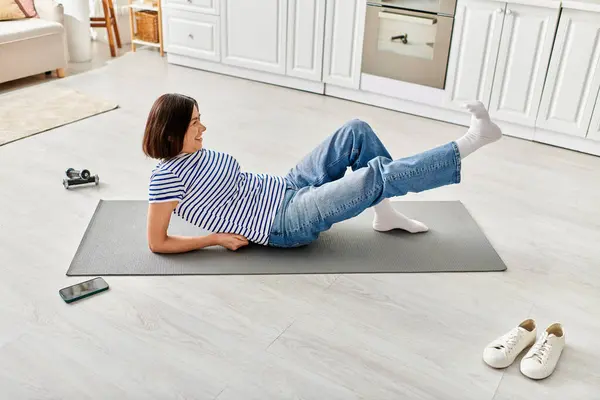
403	38
407	18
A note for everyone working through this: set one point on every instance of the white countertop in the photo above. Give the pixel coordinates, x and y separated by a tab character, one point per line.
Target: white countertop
585	5
538	3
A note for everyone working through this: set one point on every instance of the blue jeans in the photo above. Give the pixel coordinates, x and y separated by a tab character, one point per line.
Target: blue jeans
319	192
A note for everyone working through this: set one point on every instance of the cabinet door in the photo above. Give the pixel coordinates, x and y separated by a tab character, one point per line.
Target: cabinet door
306	25
523	58
253	34
475	43
573	78
344	29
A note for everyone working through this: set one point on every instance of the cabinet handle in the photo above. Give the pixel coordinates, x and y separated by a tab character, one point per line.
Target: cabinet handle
500	10
191	36
403	38
508	12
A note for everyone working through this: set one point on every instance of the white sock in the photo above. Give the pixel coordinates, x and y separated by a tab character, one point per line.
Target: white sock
481	132
386	219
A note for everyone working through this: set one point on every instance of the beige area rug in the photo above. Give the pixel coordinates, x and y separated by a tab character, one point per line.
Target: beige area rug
36	109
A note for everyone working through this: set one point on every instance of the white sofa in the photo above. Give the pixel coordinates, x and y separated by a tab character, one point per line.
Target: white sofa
34	45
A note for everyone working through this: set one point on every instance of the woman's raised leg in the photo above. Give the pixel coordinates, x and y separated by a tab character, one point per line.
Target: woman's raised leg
352	145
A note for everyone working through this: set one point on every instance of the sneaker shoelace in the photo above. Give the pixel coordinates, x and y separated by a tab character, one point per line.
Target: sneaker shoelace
510	341
541	350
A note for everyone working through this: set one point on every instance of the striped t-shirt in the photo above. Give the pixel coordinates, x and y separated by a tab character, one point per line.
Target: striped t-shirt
215	195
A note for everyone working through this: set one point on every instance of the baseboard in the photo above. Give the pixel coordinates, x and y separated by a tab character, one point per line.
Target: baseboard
516	130
265	77
396	104
576	143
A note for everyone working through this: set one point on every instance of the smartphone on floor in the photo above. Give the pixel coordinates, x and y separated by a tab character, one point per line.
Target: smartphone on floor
83	290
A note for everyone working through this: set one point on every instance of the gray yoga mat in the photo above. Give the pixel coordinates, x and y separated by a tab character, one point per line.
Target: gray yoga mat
115	244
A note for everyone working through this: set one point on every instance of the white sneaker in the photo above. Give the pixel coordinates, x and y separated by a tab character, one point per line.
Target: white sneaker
503	351
541	359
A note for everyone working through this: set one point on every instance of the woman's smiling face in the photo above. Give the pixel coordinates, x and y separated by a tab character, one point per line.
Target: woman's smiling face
193	137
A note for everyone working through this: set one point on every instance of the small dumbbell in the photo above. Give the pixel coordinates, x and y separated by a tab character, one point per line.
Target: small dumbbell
82	177
74	174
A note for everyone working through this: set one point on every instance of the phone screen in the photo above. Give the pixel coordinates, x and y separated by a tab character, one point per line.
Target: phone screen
83	289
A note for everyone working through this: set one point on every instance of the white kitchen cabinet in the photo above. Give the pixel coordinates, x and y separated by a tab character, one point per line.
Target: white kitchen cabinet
192	34
525	48
573	77
306	25
475	43
254	34
344	29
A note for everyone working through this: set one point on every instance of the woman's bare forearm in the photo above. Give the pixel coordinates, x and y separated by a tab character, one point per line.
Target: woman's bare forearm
182	244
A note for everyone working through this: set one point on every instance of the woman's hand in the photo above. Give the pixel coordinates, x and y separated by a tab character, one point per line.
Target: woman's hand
230	241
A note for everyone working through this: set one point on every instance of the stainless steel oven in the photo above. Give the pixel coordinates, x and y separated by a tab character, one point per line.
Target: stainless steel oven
409	40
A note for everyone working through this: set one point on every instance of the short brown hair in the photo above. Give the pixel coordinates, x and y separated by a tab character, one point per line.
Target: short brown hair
167	124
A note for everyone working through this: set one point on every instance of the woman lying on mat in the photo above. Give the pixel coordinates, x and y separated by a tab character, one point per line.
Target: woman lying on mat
208	189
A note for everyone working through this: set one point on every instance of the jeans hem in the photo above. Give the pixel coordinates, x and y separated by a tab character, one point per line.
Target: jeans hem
458	162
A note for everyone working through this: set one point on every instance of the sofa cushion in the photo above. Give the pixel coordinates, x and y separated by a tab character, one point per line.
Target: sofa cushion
11	9
23	29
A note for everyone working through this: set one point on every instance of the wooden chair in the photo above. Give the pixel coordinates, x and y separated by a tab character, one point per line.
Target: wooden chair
109	21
